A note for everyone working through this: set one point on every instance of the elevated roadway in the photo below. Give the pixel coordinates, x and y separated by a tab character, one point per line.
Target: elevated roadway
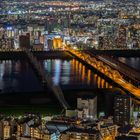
109	72
127	72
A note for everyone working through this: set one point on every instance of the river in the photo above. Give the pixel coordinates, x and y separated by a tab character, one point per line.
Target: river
133	62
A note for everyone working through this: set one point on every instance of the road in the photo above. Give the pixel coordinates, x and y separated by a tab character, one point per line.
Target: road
116	77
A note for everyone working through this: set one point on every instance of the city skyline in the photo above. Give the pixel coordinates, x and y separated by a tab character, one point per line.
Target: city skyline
69	70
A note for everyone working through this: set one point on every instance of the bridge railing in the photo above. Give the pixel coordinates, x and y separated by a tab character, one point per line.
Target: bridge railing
126	68
125	71
117	78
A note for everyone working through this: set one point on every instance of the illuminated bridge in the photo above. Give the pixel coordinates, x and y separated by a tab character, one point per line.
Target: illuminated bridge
108	71
46	79
127	72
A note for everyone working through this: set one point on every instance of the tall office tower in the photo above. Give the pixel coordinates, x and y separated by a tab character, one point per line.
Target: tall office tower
134	36
87	107
101	42
50	44
57	43
106	43
122	109
122	39
24	41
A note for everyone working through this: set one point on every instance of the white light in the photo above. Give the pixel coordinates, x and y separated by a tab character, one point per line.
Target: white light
74	48
9	12
50	9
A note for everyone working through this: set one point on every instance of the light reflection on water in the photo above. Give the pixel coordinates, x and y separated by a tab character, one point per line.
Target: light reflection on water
73	72
17	76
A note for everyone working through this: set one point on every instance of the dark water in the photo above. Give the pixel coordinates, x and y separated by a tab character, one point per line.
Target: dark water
131	61
73	72
17	76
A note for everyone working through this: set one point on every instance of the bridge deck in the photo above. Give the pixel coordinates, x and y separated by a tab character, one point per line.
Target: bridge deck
119	66
115	77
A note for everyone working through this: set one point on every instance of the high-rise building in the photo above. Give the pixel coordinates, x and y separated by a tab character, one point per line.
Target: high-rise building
87	107
24	41
122	37
53	41
122	109
57	43
101	42
50	44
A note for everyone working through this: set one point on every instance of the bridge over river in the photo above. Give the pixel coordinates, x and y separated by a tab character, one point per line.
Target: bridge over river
130	74
107	71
